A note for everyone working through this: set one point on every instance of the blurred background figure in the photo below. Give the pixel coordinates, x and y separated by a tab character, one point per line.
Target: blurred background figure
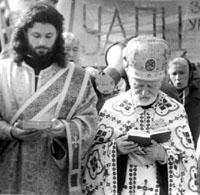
49	2
72	47
181	80
109	81
5	25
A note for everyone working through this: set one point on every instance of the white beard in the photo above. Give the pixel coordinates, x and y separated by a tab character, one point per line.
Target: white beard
138	101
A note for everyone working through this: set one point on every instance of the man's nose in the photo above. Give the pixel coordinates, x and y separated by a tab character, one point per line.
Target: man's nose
145	92
178	77
42	41
71	52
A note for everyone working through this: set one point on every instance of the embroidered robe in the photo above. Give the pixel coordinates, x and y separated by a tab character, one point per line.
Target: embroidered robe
62	93
118	116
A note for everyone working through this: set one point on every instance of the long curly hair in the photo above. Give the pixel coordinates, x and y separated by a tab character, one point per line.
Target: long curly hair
41	13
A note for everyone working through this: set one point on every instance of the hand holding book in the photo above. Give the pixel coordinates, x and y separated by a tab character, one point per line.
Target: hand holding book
124	146
55	127
155	152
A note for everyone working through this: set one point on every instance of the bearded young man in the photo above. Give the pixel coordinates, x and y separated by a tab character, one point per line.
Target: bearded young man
117	165
48	110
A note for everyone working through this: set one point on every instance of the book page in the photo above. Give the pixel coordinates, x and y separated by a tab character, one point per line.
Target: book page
160	130
161	135
40	125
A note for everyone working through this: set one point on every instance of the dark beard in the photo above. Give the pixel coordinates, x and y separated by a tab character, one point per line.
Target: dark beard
39	62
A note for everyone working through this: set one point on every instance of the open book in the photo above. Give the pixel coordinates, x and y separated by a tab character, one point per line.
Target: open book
40	125
144	139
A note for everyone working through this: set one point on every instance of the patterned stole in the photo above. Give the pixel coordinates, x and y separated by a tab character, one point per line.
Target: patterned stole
74	134
43	99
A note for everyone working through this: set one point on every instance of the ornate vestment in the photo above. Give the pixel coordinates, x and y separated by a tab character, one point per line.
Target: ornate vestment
118	116
64	93
190	97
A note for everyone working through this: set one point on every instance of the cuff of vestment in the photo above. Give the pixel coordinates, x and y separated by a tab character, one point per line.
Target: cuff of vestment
63	128
6	133
12	137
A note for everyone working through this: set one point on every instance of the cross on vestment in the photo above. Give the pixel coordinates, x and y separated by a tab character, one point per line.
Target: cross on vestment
76	141
145	188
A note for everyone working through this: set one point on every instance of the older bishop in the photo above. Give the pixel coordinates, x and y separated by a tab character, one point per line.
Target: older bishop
117	165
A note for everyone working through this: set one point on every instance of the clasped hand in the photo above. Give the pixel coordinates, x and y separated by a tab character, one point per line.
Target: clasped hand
57	129
125	147
153	152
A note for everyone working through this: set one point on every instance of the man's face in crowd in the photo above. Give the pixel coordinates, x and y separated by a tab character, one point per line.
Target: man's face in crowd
72	49
144	92
41	38
179	74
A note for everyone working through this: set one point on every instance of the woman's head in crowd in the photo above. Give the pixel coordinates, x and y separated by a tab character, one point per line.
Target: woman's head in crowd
180	72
